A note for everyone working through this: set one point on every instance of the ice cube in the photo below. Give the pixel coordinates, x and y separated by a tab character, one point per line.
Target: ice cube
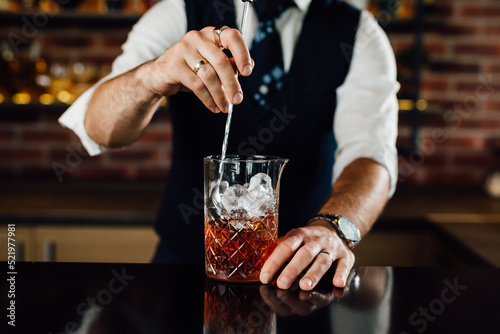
232	197
259	196
256	202
262	183
239	225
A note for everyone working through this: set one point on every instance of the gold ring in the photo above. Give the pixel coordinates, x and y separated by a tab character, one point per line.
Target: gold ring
217	31
198	66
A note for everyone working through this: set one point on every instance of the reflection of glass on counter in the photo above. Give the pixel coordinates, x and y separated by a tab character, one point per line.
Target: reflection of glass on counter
236	308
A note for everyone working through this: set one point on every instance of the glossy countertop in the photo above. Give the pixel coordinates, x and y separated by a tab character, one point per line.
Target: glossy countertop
153	298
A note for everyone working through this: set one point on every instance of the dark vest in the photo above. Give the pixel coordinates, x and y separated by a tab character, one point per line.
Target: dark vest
300	126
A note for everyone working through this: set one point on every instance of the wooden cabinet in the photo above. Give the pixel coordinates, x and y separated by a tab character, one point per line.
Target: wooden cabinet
83	243
430	245
395	248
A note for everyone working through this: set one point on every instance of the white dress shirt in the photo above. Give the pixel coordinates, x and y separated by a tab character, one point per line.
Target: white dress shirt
365	121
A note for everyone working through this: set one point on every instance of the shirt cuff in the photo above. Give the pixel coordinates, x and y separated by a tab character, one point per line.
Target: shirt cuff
73	119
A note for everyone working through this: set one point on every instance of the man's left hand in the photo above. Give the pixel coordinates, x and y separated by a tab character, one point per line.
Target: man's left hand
317	245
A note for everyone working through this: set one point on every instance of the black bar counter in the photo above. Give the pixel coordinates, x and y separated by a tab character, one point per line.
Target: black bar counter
88	298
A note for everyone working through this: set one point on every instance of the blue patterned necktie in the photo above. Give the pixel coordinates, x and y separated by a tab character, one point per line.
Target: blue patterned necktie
267	78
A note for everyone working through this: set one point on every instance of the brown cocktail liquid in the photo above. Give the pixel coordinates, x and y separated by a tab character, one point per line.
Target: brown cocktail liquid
235	250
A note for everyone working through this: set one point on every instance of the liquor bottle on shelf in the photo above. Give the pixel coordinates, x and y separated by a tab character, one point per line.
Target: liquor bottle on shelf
5	5
6	56
28	6
406	9
93	6
49	6
135	6
61	82
84	75
25	71
401	9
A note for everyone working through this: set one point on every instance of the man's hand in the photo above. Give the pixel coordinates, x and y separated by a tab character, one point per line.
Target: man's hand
122	107
317	245
361	192
215	84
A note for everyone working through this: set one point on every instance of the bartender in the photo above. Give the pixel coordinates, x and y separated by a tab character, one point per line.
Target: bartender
320	73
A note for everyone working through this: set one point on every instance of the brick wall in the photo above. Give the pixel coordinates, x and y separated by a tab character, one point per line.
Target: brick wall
460	80
34	146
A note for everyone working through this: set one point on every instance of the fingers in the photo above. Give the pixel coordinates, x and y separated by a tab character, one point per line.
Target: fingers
344	267
206	84
223	72
236	44
303	257
319	267
278	258
195	84
313	246
215	83
232	40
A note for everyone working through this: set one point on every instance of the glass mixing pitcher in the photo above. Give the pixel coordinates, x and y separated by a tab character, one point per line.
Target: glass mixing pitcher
241	214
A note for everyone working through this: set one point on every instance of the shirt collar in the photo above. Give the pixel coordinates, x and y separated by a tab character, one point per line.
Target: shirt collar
303	5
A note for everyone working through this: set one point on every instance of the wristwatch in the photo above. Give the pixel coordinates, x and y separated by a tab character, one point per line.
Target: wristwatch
345	228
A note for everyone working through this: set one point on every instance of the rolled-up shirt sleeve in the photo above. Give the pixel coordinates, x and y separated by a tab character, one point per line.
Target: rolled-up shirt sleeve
157	30
366	118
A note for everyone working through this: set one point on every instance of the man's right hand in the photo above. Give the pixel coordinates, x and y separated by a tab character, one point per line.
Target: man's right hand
216	83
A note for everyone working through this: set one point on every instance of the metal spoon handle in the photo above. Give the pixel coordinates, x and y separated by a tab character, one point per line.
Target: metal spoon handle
230	109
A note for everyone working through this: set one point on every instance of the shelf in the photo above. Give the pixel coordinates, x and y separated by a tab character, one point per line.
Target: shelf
397	24
406	26
112	18
33	111
422	113
31	107
71	18
10	112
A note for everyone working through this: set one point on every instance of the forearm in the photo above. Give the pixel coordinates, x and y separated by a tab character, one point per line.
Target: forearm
360	193
120	109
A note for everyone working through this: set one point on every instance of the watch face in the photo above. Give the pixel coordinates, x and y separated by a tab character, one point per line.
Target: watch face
350	230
